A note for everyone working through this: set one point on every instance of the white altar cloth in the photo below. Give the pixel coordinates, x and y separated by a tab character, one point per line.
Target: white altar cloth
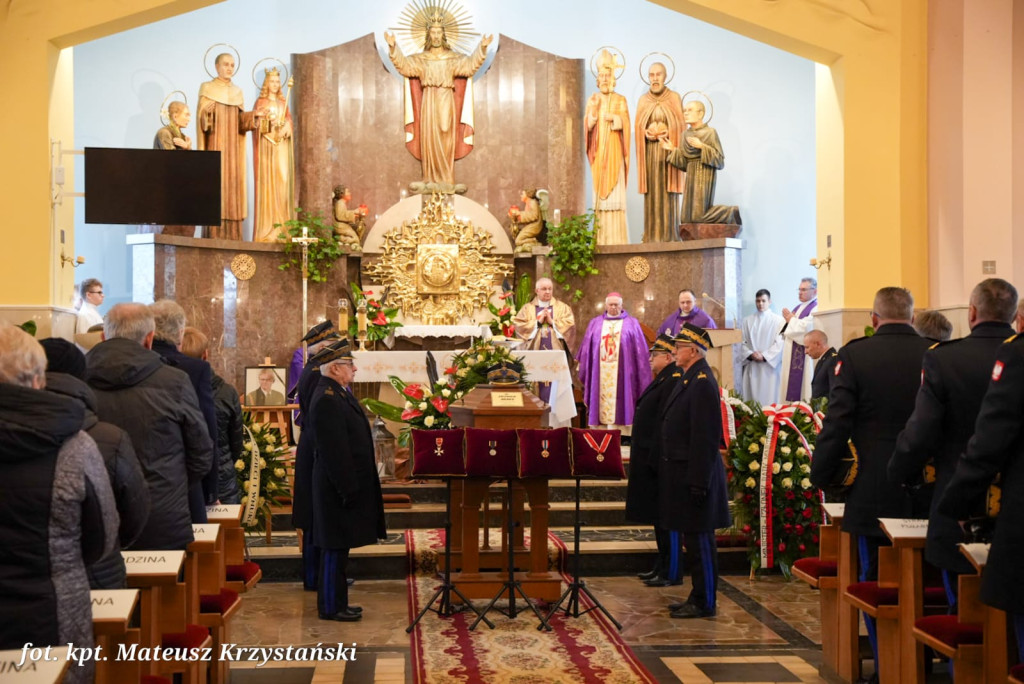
441	331
411	366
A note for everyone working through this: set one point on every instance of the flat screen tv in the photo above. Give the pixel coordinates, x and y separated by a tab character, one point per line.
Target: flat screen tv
152	186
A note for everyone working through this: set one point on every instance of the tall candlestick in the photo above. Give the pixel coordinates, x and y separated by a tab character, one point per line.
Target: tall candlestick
343	317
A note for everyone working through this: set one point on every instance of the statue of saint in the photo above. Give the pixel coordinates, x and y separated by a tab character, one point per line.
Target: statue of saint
528	222
607	127
438	90
172	136
348	223
222	127
659	114
700	155
273	160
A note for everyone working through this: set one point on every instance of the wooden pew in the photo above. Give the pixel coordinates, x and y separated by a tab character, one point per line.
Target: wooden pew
822	573
217	603
908	538
995	656
112	611
35	671
242	574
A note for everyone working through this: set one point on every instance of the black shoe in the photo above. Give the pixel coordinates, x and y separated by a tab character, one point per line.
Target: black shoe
691	610
354	609
350	581
663	582
650	574
342	616
677	606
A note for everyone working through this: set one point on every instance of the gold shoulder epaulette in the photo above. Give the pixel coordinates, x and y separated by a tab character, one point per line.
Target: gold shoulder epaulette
329	391
701	376
677	375
1011	338
933	346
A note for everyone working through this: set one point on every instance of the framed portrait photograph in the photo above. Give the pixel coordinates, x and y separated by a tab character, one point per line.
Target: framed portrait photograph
265	386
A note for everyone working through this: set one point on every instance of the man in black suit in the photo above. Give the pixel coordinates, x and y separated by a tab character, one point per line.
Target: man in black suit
169	318
692	496
348	508
873	392
642	488
954	377
319	336
825	357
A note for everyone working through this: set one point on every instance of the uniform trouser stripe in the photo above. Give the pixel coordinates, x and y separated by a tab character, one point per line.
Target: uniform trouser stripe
869	622
673	556
707	543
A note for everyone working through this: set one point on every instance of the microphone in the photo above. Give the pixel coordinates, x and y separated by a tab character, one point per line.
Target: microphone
705	295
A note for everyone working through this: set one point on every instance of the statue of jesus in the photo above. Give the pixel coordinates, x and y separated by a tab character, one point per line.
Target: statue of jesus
437	79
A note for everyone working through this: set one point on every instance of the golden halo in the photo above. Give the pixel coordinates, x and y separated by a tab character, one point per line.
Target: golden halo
668	77
419	15
255	68
165	117
709	106
206	58
620	60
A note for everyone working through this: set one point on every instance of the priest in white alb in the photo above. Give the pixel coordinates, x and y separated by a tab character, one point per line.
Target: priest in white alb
797	371
542	323
613	366
761	351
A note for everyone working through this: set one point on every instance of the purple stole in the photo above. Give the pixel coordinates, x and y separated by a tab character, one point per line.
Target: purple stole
796	360
544	342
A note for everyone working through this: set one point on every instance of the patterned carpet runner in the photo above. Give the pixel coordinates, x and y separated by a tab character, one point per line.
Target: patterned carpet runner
444	650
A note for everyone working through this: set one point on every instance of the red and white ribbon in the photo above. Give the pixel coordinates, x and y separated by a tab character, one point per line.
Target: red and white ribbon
252	486
728	419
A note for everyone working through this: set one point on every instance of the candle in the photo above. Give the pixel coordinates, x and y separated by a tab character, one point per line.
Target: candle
402	194
343	317
558	216
361	317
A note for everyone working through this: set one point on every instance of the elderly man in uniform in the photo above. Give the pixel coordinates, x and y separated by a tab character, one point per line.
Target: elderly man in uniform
692	496
642	488
348	508
824	357
873	393
954	377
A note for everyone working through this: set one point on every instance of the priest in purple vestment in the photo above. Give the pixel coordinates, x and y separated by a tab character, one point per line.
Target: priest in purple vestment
796	372
613	365
688	312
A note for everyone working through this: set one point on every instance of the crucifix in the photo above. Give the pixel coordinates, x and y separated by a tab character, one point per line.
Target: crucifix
304	242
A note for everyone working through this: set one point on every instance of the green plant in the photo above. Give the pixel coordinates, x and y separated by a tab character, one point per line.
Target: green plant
380	322
502	323
29	327
425	408
573	244
322	254
264	479
524	290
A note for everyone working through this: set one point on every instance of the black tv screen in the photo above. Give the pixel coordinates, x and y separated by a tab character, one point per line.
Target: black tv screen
152	186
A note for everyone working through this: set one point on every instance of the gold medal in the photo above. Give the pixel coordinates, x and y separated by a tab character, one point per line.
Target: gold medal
494	448
544	443
439	451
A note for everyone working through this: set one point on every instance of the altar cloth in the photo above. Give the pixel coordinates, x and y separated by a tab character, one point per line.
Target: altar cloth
440	331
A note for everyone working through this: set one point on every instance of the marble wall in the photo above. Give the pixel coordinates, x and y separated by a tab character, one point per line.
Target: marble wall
527	112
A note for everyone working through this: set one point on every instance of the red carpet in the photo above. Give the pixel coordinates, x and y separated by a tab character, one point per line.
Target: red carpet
577	650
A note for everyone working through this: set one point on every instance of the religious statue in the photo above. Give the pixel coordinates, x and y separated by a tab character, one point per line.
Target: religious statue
607	135
222	128
659	115
440	90
528	222
700	155
348	223
172	136
273	160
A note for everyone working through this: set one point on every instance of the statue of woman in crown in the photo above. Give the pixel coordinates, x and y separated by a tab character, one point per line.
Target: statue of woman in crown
272	160
440	89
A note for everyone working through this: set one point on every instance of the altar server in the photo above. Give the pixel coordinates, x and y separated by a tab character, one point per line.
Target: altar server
761	351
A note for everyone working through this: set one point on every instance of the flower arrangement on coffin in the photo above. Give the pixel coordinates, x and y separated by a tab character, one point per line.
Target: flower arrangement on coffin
380	319
469	368
502	323
426	407
261	472
769	481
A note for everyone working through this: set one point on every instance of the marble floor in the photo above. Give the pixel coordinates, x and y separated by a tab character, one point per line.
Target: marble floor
766	630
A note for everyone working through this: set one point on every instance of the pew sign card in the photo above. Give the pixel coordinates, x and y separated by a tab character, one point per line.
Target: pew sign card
904	528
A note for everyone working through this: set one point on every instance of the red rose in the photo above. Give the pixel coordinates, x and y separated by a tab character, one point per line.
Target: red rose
381	319
409	414
440	404
782	547
506	295
746	528
413	391
788	512
788	527
814	525
504	311
799	528
790	496
802	547
808	494
808	513
747	498
814	539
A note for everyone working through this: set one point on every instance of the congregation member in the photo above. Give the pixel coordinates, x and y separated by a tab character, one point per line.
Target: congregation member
761	351
92	298
796	378
933	326
644	451
545	323
816	346
688	312
692	498
65	376
169	319
613	366
318	337
876	382
57	512
954	377
348	507
228	440
996	451
157	406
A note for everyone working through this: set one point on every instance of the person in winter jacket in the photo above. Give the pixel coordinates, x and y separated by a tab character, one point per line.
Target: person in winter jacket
57	512
157	406
65	376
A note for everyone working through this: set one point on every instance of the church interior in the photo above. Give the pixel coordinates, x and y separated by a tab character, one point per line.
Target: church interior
846	129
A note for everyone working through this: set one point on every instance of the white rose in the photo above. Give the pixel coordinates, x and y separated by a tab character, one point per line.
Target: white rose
263	462
408	405
800	451
787	483
754	466
239	464
754	448
787	466
245	500
750	483
259	502
782	435
428	421
786	450
427	392
776	467
462	372
763	440
422	406
805	483
271	439
446	393
458	395
248	446
805	468
278	472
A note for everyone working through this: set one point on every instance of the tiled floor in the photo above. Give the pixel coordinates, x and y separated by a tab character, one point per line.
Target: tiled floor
766	630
